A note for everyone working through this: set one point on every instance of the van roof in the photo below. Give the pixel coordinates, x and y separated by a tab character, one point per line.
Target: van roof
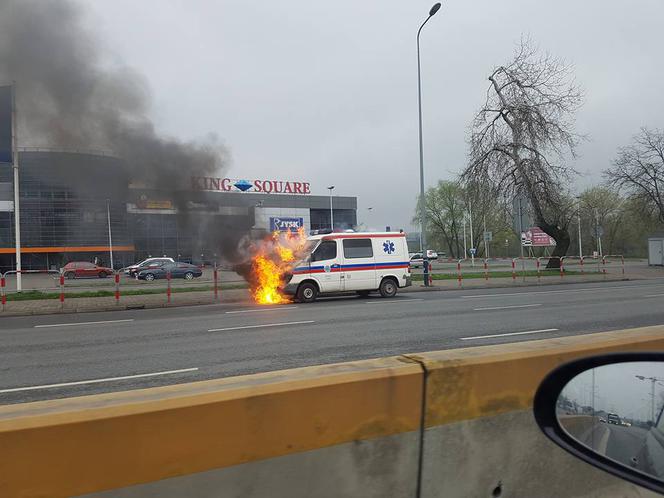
356	235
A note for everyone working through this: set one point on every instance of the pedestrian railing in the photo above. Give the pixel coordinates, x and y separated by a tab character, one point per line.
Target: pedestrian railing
116	281
524	268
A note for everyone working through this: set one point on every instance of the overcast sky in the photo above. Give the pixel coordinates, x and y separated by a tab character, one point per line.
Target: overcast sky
326	92
618	390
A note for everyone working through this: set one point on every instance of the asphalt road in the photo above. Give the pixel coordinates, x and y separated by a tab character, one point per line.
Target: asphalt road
625	443
56	356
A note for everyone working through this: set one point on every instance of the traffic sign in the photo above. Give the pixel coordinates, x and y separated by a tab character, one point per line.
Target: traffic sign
473	251
488	236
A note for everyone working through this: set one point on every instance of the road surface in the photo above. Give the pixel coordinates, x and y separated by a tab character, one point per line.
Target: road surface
56	356
625	443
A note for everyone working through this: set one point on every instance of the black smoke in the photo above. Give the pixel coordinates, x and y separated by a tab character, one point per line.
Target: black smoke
71	94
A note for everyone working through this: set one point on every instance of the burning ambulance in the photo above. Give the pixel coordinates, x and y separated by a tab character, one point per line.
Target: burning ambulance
331	263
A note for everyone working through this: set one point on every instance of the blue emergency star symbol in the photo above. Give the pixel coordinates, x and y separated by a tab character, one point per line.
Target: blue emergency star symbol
388	247
243	185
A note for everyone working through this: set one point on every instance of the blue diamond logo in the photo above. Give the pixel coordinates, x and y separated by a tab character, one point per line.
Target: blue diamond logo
243	185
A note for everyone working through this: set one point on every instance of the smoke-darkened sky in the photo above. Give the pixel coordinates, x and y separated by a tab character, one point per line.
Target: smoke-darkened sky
326	91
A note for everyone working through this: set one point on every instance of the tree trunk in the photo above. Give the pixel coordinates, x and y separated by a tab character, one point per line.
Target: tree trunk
562	243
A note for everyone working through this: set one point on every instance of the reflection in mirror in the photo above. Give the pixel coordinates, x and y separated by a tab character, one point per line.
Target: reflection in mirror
616	410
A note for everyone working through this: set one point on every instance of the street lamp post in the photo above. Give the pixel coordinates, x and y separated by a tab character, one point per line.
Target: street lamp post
653	381
425	259
330	188
110	235
578	222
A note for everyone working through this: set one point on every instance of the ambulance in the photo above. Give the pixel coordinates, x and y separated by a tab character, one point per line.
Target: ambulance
351	262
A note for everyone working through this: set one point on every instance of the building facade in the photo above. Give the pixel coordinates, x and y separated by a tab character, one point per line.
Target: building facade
69	199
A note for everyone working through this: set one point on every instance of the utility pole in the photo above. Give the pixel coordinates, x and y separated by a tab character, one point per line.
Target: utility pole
578	220
472	240
486	242
17	213
520	226
598	234
110	237
465	247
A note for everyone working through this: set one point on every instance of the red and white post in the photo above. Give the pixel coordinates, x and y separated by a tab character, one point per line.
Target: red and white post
581	262
513	270
168	288
62	291
562	268
459	272
117	288
3	282
604	266
216	283
486	270
539	275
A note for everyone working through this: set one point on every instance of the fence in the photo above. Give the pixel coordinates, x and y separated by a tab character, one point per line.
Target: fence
116	287
525	268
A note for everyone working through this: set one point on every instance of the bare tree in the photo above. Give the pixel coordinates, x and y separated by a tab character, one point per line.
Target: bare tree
639	169
520	137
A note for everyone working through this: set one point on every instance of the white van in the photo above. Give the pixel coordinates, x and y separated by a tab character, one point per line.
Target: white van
351	262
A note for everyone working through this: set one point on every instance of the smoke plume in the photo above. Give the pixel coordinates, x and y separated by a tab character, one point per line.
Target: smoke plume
71	95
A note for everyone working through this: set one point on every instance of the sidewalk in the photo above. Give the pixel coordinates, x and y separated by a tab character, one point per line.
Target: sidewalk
241	296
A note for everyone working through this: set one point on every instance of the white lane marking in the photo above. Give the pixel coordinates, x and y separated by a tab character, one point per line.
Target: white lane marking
526	293
508	334
393	301
97	381
83	323
507	307
261	326
271	308
654	295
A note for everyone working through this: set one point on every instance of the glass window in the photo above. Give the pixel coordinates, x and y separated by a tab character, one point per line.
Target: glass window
327	250
358	248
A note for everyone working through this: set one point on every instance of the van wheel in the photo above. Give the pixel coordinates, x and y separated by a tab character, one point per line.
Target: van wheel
307	293
363	293
388	288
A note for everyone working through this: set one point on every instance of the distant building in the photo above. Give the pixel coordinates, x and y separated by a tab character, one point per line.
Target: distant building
64	197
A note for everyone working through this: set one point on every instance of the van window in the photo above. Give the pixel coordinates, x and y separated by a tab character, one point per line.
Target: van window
327	250
358	248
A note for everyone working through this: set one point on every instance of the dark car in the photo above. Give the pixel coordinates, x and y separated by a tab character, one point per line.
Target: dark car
613	418
177	270
147	264
81	269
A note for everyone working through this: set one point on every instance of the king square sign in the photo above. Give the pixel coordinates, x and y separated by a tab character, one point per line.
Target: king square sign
250	186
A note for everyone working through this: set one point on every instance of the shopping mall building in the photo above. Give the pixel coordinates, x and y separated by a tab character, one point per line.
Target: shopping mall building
69	199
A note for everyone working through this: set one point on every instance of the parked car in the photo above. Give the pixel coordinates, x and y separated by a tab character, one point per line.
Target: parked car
145	264
82	269
177	270
416	260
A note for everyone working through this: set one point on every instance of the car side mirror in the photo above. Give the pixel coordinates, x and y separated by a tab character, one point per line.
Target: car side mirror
607	411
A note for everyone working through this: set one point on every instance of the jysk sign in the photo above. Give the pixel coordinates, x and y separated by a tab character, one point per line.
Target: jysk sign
250	186
286	224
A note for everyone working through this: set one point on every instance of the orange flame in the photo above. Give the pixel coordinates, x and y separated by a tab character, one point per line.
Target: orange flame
274	258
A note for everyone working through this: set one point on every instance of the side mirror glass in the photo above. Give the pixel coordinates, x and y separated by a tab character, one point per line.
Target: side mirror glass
607	411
